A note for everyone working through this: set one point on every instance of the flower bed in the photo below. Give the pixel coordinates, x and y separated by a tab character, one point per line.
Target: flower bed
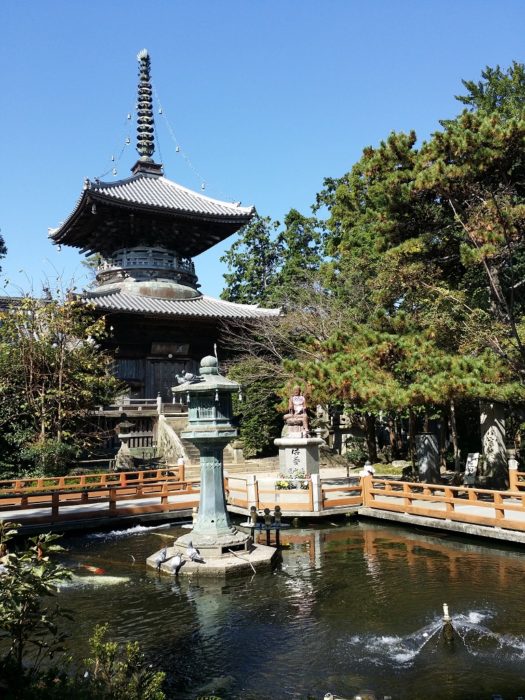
295	480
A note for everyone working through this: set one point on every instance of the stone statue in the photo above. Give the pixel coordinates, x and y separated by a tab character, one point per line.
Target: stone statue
297	415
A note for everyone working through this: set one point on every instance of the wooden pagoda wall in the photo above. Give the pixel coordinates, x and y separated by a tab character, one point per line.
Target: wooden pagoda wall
149	351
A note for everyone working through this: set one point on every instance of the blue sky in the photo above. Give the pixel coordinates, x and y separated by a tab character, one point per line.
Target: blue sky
265	98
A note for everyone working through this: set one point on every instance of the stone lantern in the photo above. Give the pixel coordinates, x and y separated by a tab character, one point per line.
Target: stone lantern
123	459
209	399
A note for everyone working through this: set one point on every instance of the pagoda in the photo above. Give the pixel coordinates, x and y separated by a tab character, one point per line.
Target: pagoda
145	230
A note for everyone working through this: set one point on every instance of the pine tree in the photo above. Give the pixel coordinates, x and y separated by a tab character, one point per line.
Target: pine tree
253	261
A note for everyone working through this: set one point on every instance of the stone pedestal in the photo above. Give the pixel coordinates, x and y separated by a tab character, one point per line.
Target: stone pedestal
427	458
293	427
230	564
298	454
124	459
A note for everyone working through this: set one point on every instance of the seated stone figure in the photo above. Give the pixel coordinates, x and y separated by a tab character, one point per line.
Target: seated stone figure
297	415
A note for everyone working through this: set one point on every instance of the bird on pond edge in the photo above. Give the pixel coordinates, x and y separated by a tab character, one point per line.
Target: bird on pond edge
161	557
177	563
194	554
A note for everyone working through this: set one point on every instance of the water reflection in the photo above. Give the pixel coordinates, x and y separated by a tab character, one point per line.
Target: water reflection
348	608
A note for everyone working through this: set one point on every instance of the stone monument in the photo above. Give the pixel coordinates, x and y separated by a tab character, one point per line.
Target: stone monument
492	419
124	459
427	458
298	452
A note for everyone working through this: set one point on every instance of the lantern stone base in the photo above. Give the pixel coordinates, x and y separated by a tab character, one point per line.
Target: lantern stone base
257	556
215	544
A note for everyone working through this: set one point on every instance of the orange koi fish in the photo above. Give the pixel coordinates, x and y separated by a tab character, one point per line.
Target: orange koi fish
93	569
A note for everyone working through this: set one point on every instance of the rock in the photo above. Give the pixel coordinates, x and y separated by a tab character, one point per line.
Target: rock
401	463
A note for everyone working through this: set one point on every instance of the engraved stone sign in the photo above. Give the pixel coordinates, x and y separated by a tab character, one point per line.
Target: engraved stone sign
471	469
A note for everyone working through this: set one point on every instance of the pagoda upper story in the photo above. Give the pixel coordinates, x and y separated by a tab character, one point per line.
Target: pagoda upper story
147	228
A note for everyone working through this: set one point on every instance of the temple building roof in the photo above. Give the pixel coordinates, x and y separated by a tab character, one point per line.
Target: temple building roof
202	306
149	209
161	193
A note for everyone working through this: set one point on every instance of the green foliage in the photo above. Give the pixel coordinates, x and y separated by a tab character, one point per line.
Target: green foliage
48	456
299	249
117	673
28	615
418	273
269	267
498	91
3	249
260	421
52	375
253	259
34	664
427	247
356	452
395	368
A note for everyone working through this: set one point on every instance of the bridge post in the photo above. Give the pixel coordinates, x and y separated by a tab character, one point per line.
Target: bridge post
317	493
55	504
112	501
366	482
513	472
251	491
164	494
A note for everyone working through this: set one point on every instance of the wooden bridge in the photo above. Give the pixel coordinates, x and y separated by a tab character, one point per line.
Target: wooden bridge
95	500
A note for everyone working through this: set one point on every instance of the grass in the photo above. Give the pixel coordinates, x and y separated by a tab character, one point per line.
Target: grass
388	470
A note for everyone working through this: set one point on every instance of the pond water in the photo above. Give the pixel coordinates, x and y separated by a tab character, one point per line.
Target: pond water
349	608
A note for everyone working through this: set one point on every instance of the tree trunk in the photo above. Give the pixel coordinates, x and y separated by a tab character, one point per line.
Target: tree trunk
370	421
392	437
398	424
454	435
42	414
412	437
443	438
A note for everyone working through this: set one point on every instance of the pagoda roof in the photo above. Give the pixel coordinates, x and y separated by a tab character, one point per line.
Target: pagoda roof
202	306
110	215
160	193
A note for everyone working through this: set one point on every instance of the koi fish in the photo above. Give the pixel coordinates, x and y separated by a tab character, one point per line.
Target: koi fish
93	569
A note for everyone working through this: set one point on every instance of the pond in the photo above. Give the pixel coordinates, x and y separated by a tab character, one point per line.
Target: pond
347	609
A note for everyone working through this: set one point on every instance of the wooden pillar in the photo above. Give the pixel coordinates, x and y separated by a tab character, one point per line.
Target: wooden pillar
112	501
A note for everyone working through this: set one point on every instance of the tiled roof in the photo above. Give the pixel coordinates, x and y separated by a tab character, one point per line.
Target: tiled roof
159	192
204	306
